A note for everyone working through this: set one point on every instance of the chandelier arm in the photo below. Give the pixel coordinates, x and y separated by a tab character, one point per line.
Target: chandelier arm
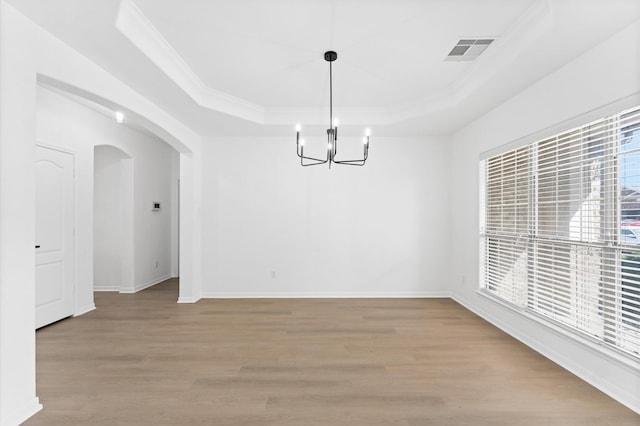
300	153
311	164
304	157
312	159
359	162
351	162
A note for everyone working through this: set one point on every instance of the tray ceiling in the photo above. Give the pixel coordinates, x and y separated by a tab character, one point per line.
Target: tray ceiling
235	66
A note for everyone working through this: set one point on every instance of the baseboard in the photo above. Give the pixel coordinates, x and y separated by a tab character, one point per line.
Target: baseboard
106	287
624	396
148	284
327	295
87	308
21	414
188	299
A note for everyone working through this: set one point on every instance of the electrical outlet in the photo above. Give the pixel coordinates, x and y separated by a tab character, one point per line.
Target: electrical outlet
156	264
273	275
463	279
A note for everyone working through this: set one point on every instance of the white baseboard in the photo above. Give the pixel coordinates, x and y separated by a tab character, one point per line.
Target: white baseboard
572	364
148	284
106	287
87	308
326	295
188	299
20	414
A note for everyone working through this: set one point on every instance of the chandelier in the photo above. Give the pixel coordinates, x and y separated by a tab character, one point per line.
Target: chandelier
332	133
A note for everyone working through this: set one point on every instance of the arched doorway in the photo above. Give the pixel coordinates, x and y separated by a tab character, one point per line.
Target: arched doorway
186	185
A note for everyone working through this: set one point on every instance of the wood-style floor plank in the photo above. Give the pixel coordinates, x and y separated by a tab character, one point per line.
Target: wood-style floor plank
143	359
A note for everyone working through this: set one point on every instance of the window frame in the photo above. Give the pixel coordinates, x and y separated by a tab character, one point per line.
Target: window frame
611	245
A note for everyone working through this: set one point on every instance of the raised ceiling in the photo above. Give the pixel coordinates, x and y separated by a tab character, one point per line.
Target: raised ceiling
236	67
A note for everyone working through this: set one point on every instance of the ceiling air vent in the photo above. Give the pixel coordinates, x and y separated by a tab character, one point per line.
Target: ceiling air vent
468	49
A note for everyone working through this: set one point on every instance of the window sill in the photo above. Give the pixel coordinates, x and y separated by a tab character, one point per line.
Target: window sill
595	346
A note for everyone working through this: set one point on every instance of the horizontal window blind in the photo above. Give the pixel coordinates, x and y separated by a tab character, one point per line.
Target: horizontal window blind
507	227
560	229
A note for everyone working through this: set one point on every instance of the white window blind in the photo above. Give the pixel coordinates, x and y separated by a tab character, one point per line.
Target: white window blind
560	229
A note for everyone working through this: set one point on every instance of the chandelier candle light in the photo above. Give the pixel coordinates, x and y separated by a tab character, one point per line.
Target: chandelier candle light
332	132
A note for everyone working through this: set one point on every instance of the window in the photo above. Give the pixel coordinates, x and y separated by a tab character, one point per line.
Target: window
560	229
628	236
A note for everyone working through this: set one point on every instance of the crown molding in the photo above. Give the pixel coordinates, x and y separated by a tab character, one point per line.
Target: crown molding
320	117
506	49
137	28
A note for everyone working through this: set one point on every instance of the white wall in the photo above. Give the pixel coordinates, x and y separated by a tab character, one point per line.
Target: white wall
377	230
28	53
65	124
110	211
580	91
152	182
17	217
175	214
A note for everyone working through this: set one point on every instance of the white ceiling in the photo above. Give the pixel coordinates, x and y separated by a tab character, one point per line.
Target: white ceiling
245	67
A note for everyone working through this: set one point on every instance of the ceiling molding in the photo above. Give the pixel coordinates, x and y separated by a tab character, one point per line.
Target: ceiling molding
320	117
137	28
506	49
107	107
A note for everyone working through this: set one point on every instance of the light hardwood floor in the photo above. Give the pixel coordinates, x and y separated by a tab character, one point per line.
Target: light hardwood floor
143	359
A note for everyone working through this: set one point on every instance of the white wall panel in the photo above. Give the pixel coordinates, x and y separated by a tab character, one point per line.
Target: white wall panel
285	230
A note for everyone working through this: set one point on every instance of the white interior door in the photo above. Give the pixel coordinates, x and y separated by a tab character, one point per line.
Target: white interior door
54	235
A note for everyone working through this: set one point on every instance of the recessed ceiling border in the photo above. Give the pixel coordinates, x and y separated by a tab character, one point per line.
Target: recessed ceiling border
135	26
139	30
